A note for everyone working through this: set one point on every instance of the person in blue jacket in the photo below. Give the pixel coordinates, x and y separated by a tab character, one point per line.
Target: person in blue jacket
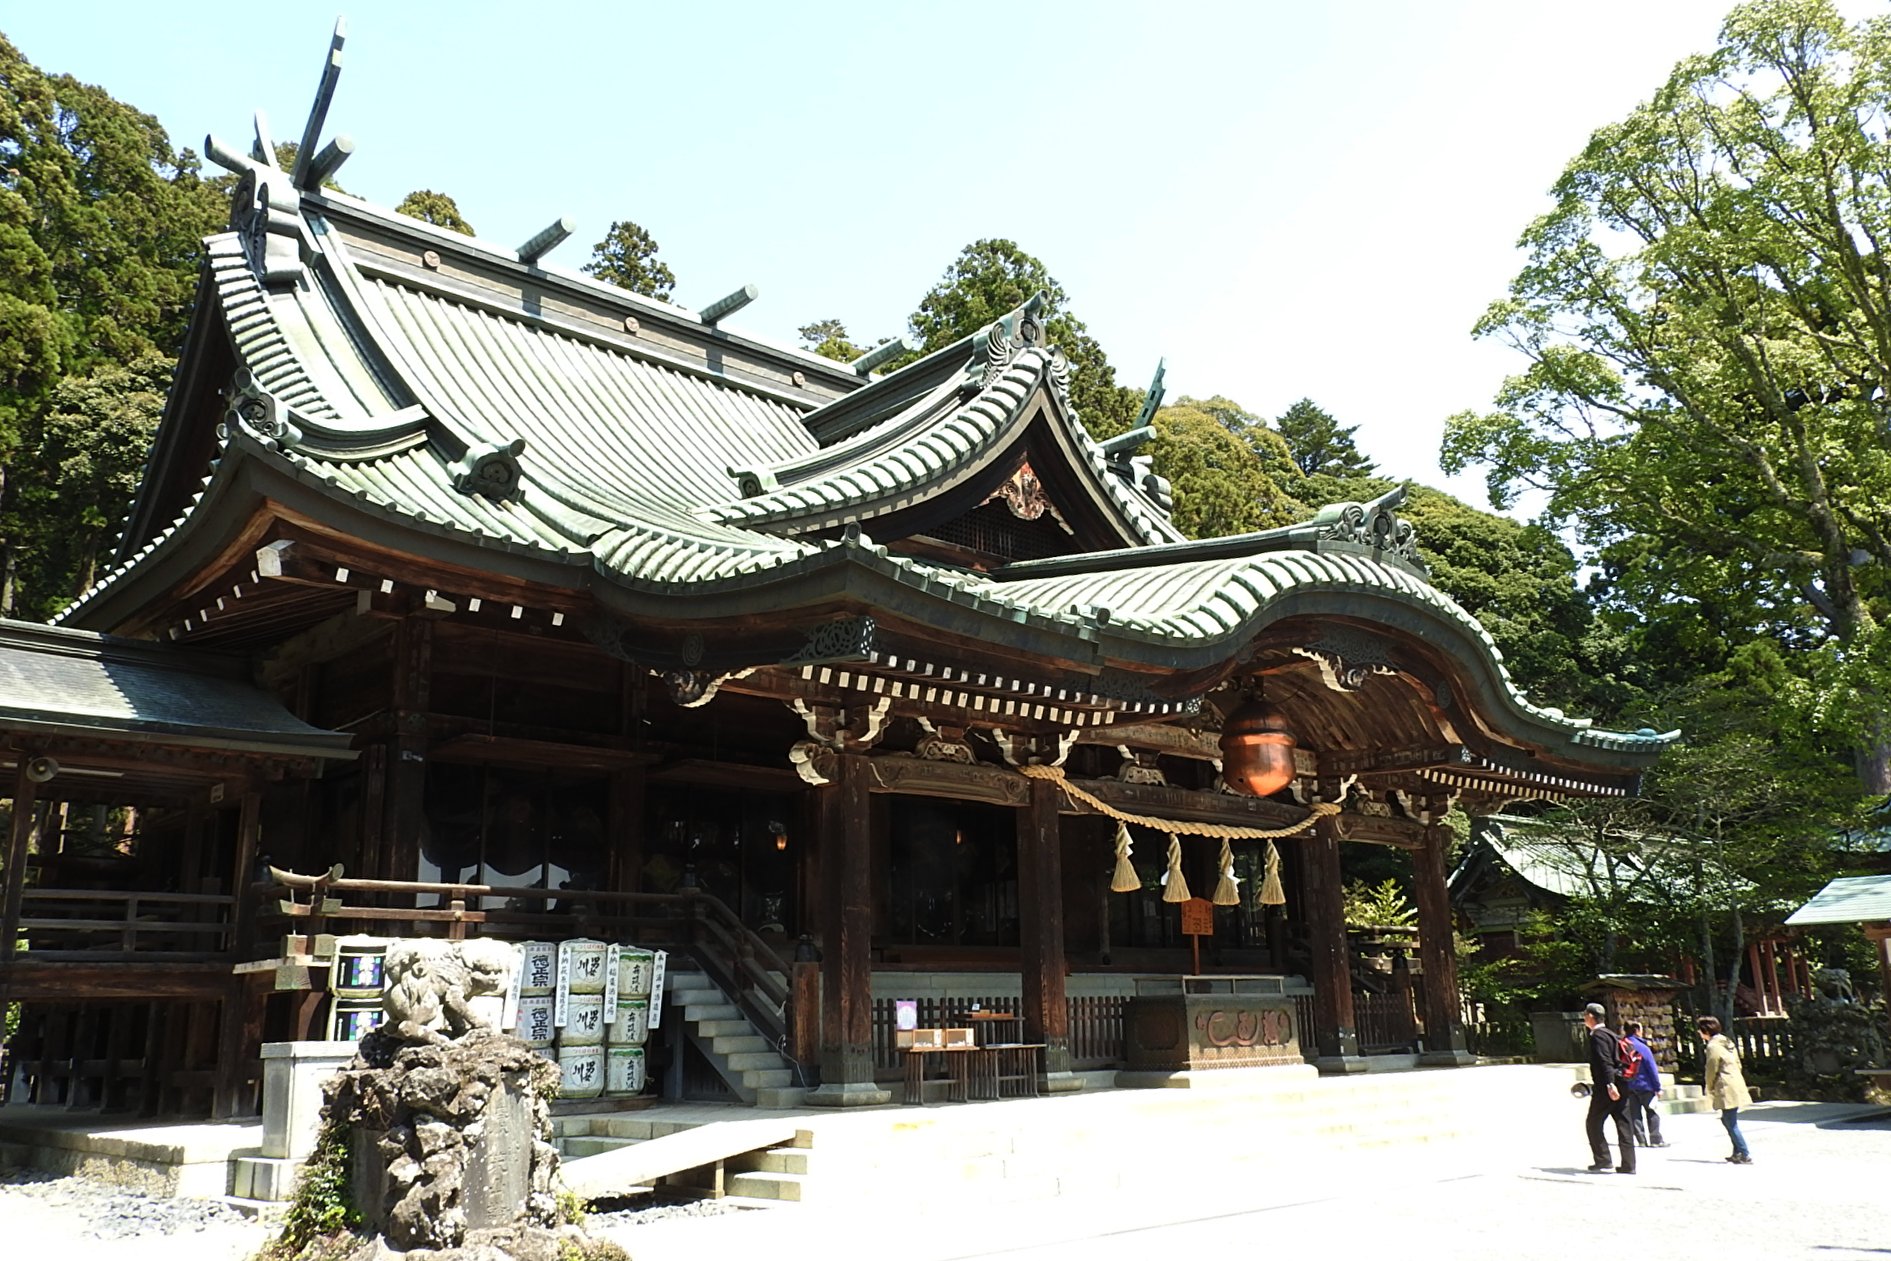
1643	1089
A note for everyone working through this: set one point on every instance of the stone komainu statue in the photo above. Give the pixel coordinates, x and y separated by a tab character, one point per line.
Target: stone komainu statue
432	985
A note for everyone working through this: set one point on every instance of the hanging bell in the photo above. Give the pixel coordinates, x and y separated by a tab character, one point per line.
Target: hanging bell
1257	749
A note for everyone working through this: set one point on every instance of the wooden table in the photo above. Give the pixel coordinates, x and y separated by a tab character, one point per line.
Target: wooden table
1005	1070
959	1071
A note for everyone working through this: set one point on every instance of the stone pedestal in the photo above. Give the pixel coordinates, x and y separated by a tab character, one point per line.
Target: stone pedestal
1175	1033
293	1073
848	1095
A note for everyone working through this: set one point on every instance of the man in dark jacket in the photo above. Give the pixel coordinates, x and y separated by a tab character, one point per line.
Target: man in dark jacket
1644	1118
1608	1094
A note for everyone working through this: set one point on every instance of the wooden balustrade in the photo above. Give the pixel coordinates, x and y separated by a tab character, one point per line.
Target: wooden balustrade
98	924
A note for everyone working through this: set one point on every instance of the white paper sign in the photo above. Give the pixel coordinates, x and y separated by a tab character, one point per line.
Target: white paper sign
656	988
562	1003
610	983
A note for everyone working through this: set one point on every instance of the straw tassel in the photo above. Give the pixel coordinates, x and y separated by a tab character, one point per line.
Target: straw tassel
1125	880
1226	891
1271	892
1176	888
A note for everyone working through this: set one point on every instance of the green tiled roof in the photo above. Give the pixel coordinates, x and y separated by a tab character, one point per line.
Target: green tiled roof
389	387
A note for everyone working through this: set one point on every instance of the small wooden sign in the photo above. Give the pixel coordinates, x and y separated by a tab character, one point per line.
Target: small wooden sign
1198	918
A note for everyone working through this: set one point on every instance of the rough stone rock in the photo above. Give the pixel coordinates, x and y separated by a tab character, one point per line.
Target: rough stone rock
511	1243
426	1114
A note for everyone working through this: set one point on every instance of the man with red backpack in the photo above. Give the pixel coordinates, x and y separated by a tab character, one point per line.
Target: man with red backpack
1644	1086
1608	1094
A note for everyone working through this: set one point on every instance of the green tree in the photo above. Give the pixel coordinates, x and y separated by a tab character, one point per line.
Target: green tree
829	339
1220	483
81	462
627	258
1321	444
436	208
991	278
1706	313
101	228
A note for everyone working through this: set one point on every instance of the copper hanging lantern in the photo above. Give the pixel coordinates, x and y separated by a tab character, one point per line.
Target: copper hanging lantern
1257	749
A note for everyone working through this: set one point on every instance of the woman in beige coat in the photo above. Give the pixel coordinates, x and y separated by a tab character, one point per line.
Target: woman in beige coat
1726	1087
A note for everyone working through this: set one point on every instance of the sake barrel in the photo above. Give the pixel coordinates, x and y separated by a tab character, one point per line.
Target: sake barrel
584	1021
350	1021
535	1025
634	968
632	1027
587	964
358	968
580	1072
624	1070
538	967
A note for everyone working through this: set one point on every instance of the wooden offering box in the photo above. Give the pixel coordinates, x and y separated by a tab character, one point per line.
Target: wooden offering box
1180	1032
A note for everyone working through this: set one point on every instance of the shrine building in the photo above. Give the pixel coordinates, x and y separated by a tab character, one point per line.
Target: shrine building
466	594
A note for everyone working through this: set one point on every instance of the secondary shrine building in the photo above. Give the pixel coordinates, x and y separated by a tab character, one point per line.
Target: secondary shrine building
538	608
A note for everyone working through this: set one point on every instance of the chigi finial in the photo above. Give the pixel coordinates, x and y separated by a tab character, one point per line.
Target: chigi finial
312	168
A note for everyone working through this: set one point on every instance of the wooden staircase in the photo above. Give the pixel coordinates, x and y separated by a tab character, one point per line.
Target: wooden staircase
742	1056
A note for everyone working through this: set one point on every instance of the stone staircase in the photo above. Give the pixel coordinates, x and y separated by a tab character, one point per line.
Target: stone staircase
753	1069
763	1178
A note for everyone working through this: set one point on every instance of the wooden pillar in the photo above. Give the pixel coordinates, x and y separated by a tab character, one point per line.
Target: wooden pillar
239	1046
1444	1012
846	917
410	698
1336	1035
624	826
19	836
1041	932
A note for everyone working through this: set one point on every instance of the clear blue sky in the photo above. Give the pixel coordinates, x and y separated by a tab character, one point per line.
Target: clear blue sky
1283	198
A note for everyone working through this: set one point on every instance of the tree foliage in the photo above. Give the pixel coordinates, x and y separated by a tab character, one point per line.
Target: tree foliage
1320	444
436	208
77	472
829	339
991	278
1706	312
627	258
101	227
1220	482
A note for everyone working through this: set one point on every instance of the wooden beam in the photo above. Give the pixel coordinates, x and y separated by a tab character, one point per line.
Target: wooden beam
1339	764
29	980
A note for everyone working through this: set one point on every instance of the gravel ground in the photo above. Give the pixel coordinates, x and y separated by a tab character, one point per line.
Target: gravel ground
108	1212
649	1209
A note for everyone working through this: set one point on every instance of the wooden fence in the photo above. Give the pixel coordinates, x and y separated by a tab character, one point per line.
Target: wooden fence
1385	1022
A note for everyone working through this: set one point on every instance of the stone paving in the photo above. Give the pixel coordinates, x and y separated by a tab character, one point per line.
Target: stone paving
1820	1188
1817	1189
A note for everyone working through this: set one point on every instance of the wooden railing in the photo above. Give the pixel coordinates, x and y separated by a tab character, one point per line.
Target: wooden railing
104	924
698	924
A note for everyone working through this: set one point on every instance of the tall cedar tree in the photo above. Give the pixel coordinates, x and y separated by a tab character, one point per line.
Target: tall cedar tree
627	258
436	208
993	277
101	227
1707	318
1320	444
